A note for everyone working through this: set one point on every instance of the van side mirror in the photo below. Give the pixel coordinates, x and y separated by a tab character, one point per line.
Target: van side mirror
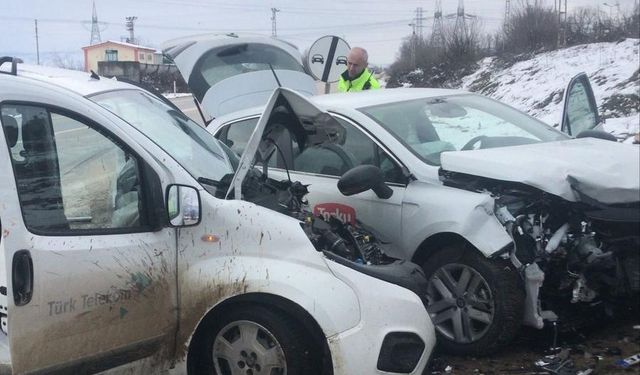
362	178
183	206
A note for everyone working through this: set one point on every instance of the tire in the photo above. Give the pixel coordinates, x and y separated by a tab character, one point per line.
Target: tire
483	315
270	338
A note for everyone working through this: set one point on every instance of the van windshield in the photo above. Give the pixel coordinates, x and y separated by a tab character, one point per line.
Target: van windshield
189	144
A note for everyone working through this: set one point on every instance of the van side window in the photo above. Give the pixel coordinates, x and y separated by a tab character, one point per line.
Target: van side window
70	176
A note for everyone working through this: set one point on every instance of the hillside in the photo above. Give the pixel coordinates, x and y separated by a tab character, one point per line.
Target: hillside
536	84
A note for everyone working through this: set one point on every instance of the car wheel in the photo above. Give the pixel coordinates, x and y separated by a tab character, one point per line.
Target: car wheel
476	304
252	340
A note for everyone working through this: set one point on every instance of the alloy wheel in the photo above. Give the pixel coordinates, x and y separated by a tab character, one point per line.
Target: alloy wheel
460	303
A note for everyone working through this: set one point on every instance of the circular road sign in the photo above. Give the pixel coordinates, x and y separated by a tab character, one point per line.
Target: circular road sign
326	59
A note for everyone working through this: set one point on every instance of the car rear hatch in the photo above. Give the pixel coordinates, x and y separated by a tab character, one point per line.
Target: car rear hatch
227	73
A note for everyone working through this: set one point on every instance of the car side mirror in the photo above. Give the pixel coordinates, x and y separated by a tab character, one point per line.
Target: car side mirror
362	178
597	134
183	206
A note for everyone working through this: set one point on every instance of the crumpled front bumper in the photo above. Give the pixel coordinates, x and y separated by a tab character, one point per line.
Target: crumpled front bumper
391	315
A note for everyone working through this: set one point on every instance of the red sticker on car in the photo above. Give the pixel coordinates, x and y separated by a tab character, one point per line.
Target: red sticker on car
344	213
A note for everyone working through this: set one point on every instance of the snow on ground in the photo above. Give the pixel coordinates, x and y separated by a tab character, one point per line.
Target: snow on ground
537	85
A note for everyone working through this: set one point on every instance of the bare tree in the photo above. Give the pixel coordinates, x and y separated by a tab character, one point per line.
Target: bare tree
531	27
583	26
462	44
66	61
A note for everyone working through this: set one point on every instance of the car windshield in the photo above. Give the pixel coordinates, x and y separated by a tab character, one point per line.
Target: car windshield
431	126
187	142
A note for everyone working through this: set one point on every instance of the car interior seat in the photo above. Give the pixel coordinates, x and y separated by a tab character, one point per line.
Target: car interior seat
425	130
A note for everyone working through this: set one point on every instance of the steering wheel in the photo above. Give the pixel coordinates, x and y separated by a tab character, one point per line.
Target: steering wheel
477	139
348	160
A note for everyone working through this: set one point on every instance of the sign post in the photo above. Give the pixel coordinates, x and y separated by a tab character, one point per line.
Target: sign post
326	59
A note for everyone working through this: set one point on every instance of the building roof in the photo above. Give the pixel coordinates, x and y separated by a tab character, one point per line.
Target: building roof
124	44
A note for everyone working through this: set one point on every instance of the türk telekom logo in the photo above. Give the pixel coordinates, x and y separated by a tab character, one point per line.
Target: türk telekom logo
346	214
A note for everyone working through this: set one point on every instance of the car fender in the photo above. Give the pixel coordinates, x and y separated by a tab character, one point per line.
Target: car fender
209	283
251	253
430	209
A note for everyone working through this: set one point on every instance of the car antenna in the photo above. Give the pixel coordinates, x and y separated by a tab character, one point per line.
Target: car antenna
275	75
94	75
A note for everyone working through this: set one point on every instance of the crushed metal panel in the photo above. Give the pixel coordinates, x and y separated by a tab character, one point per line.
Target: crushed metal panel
603	170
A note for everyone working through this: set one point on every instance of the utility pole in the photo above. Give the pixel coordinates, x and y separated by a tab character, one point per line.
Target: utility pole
130	24
461	19
437	36
419	19
95	27
37	44
413	44
562	23
274	31
507	13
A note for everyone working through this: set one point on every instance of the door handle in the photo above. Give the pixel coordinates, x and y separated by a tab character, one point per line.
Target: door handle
22	277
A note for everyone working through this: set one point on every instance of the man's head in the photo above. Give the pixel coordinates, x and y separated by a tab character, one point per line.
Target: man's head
357	61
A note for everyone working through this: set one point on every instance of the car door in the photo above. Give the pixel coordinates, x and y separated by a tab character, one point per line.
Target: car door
321	165
580	111
89	269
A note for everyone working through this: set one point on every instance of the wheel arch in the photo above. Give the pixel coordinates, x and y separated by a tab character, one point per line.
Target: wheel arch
432	244
283	305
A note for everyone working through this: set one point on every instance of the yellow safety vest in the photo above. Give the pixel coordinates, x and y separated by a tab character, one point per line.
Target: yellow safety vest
364	81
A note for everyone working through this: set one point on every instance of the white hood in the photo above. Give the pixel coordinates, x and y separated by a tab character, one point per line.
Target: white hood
603	170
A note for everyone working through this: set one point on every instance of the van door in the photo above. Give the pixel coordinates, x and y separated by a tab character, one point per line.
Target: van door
89	271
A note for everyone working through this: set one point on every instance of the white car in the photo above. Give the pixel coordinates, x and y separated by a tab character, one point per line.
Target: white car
512	220
117	255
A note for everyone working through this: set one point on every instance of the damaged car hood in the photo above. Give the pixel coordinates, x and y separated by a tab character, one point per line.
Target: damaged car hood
307	123
606	171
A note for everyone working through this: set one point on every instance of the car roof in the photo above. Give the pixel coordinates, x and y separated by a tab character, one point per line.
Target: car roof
74	80
376	97
338	101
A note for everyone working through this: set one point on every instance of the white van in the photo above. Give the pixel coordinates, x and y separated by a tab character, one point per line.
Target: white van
115	256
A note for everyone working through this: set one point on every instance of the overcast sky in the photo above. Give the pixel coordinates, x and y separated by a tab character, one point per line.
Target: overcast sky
377	25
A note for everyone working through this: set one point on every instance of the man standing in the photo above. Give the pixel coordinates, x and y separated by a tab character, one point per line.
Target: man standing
357	77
